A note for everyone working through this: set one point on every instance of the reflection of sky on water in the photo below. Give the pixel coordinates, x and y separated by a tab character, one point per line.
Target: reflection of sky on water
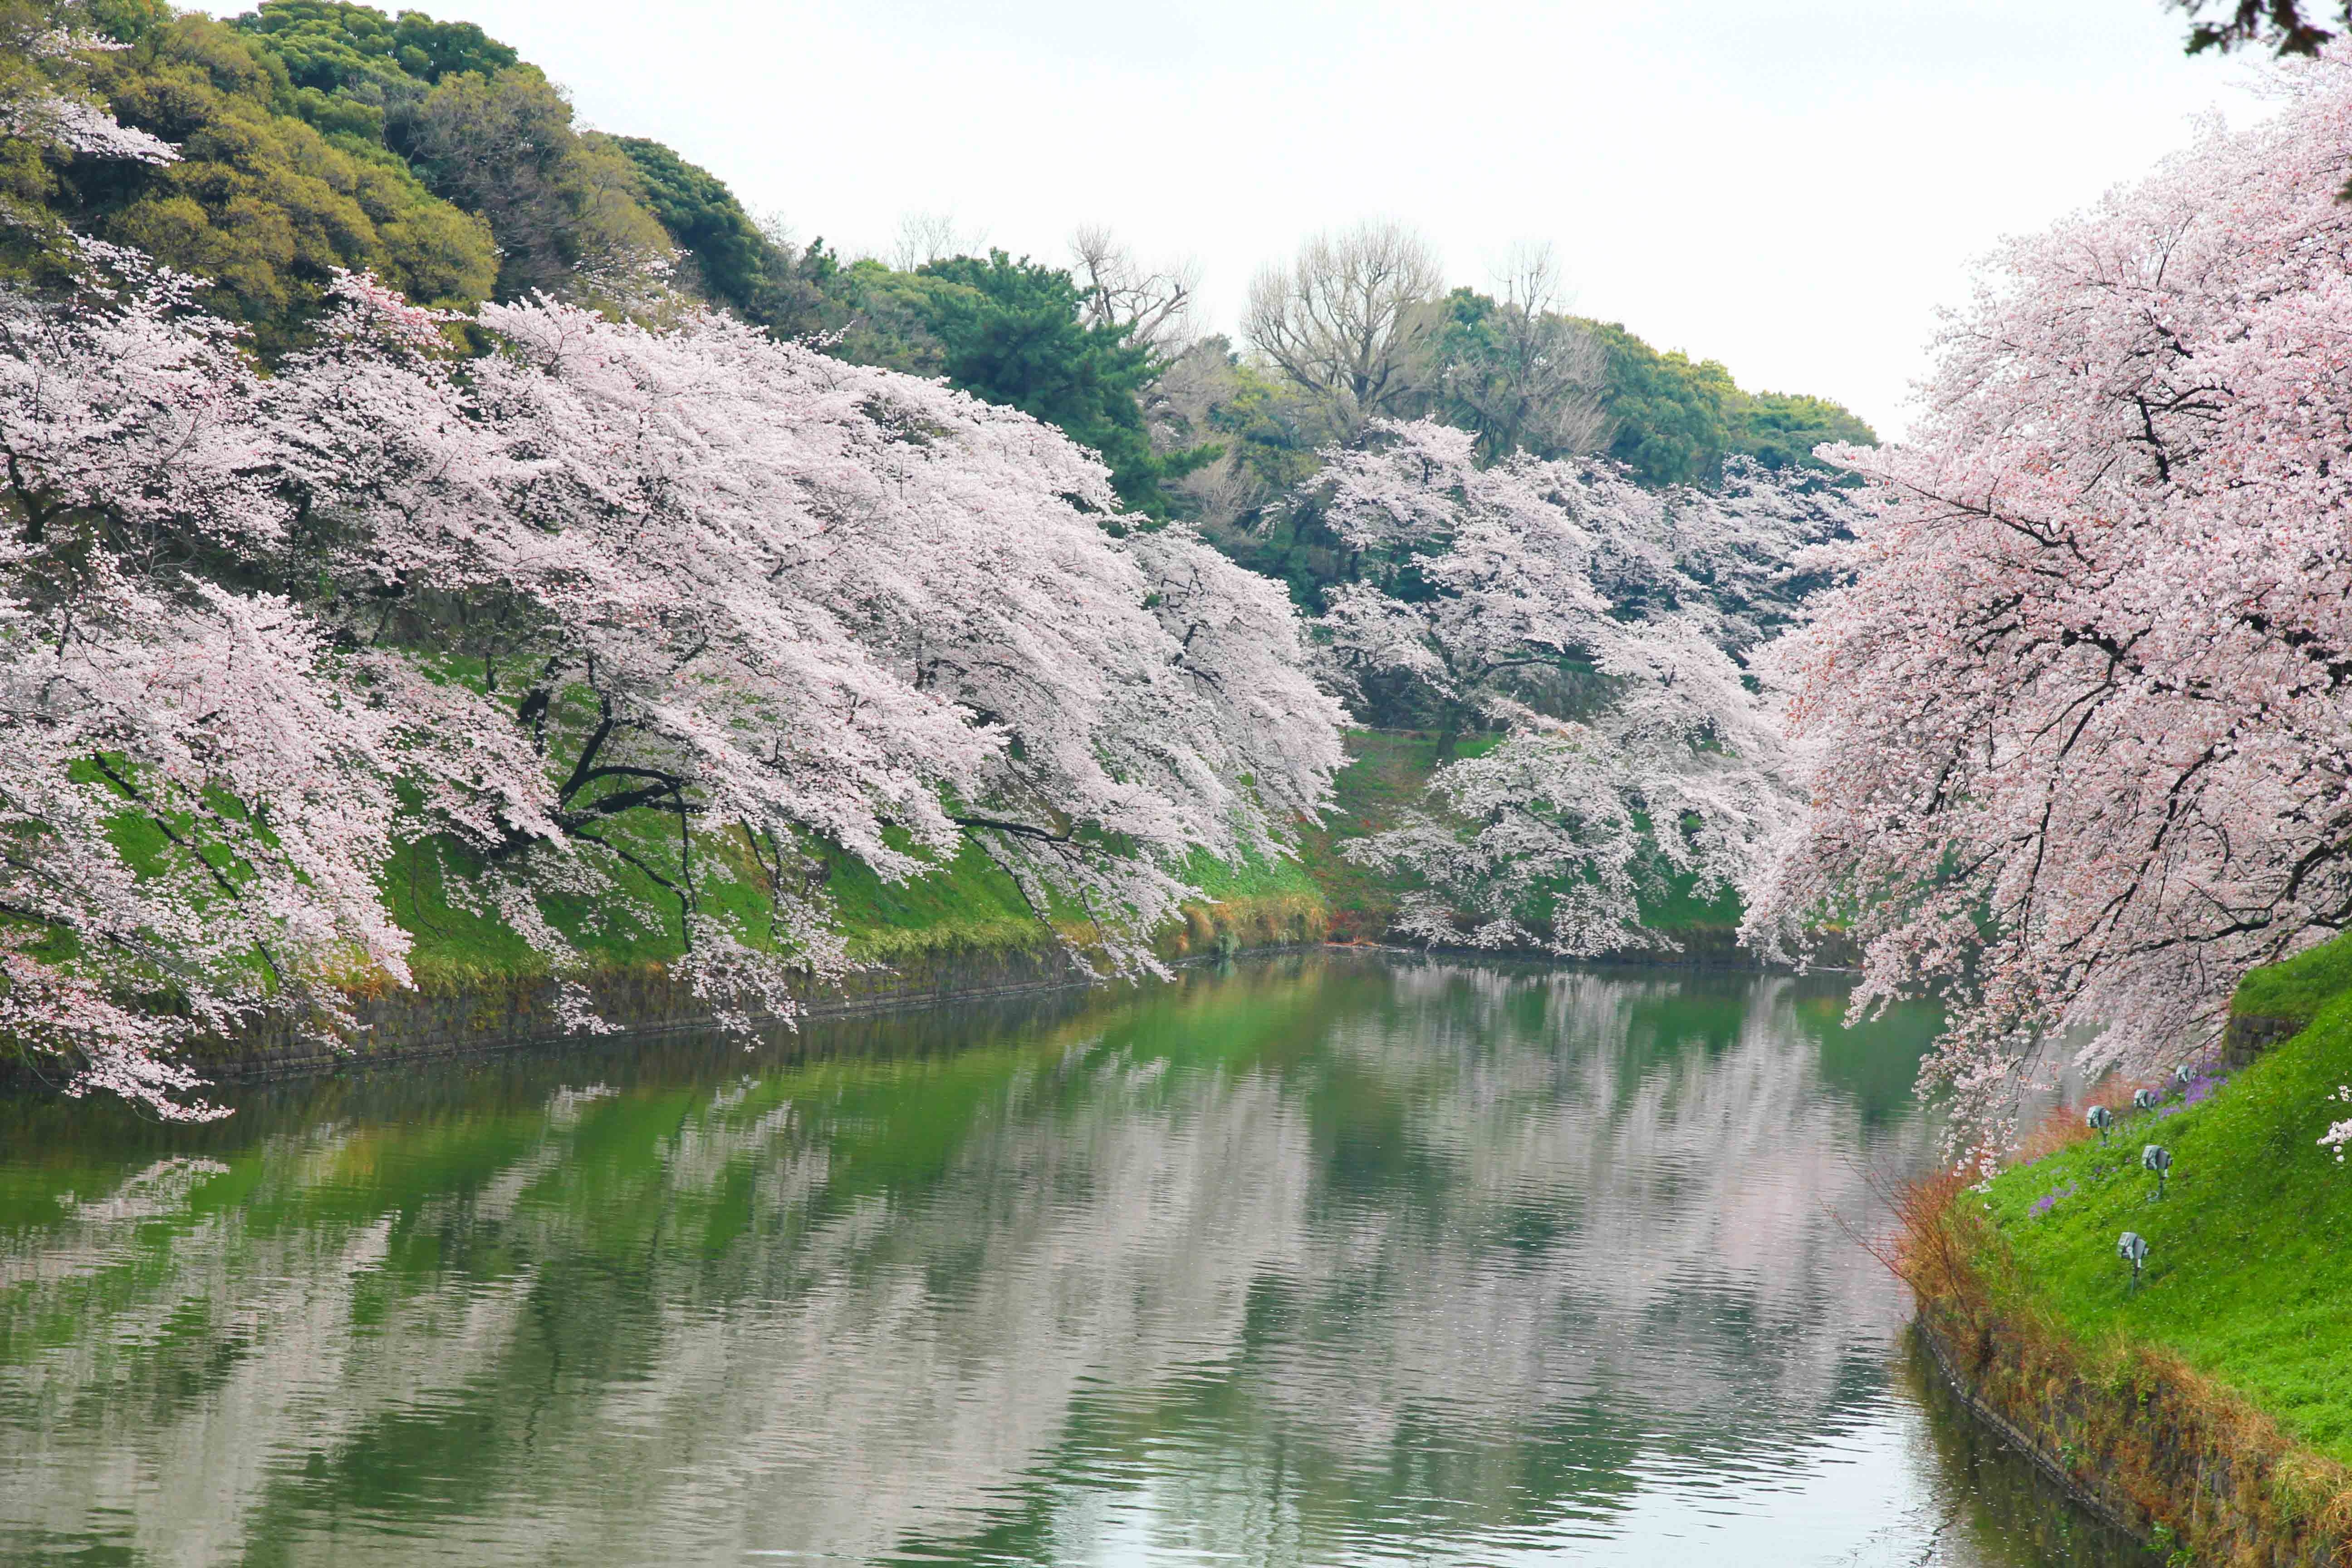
1319	1260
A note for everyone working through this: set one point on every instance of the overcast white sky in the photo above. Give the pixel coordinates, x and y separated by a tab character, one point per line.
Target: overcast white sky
1790	186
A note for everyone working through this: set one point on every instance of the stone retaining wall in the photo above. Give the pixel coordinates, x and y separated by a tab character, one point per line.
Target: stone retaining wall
415	1025
2132	1433
2249	1035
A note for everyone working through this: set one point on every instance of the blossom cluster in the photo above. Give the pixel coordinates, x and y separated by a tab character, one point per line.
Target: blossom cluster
2076	724
682	602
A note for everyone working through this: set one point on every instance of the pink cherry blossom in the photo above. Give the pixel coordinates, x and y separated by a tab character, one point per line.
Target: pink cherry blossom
2078	723
685	601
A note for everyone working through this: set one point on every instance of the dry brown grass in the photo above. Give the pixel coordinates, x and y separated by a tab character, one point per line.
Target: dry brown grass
1266	920
2184	1461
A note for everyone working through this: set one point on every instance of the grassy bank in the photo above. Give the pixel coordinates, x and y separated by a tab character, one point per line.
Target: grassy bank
2231	1360
1386	772
2249	1274
969	906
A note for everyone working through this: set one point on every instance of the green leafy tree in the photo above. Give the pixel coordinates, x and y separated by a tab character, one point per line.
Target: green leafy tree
1781	429
483	130
886	319
353	71
1673	419
703	216
333	47
41	80
261	202
1010	331
1013	333
733	261
564	207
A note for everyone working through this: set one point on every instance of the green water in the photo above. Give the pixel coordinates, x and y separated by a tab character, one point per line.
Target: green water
1319	1259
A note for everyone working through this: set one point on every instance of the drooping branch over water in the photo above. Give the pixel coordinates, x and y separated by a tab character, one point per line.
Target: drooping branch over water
2079	721
606	596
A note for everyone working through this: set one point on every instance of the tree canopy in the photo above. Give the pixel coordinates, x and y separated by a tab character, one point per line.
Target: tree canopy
261	203
1594	623
332	48
2078	717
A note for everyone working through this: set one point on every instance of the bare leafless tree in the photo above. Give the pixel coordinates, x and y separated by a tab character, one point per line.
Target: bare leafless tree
1117	291
1535	379
924	236
1346	317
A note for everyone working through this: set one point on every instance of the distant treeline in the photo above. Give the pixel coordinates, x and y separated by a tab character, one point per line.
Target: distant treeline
318	136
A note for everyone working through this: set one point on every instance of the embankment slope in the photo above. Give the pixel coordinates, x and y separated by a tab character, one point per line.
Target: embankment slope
2210	1405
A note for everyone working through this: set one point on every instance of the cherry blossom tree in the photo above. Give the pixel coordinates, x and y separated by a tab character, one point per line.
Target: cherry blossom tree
41	100
196	784
684	601
2078	724
1594	623
765	589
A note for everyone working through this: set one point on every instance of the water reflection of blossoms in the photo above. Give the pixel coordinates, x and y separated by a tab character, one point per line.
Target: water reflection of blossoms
1540	1224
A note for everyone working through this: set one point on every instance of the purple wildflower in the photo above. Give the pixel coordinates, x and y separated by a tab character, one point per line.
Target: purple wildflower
2049	1199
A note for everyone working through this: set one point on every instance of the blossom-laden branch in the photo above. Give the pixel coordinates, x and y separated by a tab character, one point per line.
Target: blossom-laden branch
2079	720
42	102
560	610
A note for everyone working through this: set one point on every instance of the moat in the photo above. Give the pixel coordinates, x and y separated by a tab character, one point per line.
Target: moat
1317	1259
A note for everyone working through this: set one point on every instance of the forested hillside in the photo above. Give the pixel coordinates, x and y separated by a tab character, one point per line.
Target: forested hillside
316	135
455	543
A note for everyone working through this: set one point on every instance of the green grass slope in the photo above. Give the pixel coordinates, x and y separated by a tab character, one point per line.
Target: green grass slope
969	906
1387	771
2249	1275
2298	988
